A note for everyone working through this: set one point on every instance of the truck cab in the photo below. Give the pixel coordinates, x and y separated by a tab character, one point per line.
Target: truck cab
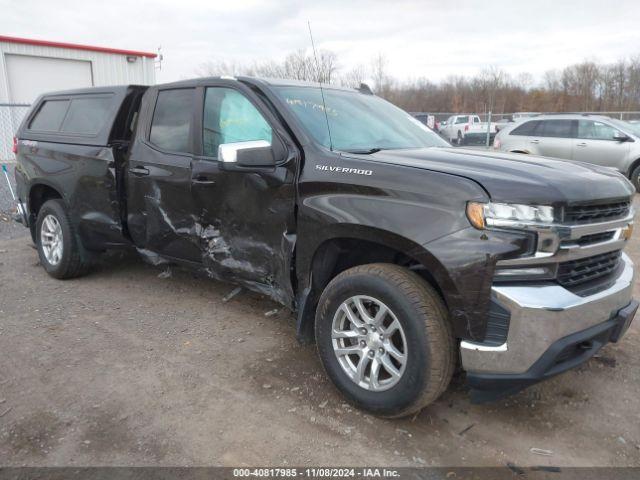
401	256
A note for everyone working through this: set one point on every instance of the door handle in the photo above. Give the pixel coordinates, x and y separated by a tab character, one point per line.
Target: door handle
535	141
581	144
202	180
139	171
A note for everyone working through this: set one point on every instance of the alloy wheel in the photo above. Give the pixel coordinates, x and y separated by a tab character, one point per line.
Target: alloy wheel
369	343
51	239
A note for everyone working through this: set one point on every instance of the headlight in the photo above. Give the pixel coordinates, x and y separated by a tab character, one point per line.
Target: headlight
482	215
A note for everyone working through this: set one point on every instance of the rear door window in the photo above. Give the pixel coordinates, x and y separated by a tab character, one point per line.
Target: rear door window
171	123
555	128
527	128
87	116
50	116
462	120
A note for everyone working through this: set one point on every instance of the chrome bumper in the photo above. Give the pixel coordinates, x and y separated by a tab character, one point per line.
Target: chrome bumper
541	315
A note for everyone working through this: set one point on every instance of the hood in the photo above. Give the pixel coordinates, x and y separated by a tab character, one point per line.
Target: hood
518	178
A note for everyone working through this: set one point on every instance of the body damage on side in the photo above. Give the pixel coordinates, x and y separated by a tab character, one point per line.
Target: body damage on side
237	226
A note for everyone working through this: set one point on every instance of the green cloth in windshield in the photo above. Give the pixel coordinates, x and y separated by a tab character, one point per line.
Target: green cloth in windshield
230	117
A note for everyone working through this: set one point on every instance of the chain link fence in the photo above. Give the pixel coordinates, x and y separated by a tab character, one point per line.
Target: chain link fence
11	114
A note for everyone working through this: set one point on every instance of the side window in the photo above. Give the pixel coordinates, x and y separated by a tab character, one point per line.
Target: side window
556	128
87	115
594	130
50	116
172	120
527	128
230	117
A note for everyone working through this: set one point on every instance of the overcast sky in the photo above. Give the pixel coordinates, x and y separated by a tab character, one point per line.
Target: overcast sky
431	39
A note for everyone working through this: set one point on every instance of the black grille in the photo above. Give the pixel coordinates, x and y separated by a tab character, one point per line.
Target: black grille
596	213
595	238
576	272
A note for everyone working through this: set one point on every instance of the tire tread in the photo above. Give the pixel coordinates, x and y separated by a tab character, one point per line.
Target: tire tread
428	302
76	264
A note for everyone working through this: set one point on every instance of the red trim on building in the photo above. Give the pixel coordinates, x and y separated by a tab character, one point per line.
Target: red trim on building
75	46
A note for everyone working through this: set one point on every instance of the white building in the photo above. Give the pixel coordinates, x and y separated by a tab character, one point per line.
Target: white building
31	67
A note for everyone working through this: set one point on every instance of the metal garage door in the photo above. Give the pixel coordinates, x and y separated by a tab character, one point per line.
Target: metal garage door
29	76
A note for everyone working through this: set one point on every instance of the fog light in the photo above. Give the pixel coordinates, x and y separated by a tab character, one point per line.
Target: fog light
524	273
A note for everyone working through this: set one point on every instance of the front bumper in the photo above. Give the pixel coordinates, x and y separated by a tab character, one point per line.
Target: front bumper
544	320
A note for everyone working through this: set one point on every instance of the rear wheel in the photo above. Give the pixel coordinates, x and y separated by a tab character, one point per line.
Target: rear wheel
460	139
59	249
384	339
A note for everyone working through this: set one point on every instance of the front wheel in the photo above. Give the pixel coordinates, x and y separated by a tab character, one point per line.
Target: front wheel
384	339
59	249
635	178
460	139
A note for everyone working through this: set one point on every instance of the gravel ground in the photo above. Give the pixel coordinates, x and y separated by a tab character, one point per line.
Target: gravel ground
129	367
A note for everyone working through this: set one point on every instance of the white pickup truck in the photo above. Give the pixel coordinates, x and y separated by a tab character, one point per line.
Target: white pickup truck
466	129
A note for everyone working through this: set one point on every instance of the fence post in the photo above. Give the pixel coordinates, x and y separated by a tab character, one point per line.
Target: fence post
489	129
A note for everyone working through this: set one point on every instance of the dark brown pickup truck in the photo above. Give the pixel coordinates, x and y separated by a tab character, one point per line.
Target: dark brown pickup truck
402	256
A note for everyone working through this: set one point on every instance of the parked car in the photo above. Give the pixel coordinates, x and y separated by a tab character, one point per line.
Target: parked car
586	138
440	126
426	119
515	118
401	255
466	129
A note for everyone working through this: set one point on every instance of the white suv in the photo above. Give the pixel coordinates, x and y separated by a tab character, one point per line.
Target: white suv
585	138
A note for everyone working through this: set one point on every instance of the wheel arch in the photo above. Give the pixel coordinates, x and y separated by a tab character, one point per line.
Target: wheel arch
360	246
635	164
39	193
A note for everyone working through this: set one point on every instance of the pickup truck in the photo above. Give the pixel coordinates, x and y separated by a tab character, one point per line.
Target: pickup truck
467	129
402	257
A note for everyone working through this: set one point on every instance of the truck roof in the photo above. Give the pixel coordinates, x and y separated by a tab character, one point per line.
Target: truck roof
91	90
272	82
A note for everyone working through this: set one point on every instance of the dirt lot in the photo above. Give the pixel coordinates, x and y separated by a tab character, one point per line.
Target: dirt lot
124	367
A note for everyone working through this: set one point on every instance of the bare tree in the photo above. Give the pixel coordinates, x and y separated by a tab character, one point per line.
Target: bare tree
381	79
354	78
584	86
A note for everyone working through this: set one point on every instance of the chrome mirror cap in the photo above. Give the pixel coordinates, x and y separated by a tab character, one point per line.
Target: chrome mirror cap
228	152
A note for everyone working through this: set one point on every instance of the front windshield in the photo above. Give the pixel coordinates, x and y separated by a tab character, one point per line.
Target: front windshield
633	128
359	123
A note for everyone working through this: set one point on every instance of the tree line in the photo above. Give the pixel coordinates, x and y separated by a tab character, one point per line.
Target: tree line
586	86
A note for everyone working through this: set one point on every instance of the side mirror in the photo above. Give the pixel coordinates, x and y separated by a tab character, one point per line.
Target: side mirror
620	137
251	154
257	153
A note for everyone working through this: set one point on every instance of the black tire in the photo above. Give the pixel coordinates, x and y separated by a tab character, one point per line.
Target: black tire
460	139
431	354
73	261
635	178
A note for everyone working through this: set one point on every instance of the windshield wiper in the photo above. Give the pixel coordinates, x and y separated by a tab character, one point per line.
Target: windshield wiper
364	151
